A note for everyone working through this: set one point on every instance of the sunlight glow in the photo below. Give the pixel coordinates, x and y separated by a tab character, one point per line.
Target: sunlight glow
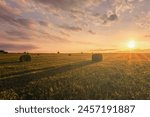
131	44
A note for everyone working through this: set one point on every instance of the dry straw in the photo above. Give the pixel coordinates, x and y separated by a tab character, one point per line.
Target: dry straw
97	57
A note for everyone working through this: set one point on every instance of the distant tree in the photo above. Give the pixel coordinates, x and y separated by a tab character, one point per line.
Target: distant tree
3	52
25	52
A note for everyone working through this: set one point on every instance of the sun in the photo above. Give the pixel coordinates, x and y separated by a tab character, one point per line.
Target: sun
131	44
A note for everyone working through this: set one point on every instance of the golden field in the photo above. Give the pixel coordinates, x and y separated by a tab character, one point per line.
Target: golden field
59	76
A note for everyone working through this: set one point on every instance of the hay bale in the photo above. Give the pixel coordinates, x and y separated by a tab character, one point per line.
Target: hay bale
25	58
97	57
69	54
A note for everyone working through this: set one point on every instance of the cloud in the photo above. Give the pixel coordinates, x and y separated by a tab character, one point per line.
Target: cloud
84	43
67	5
59	4
77	12
27	23
147	36
23	28
51	37
105	50
17	47
70	28
43	23
91	32
143	20
121	6
112	17
6	9
109	18
74	9
9	15
53	20
58	39
65	34
17	35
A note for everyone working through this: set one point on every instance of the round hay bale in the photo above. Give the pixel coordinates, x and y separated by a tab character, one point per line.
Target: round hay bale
25	58
97	57
69	54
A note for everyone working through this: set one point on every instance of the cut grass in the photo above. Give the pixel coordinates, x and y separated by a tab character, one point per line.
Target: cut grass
59	76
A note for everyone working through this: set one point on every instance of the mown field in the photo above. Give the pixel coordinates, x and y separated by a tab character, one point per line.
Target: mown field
59	76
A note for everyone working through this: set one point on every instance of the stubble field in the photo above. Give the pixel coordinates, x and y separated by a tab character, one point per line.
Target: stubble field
59	76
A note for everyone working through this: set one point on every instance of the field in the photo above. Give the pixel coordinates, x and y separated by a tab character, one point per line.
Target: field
59	76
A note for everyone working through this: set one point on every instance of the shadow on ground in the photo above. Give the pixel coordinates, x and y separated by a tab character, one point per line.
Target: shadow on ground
4	63
20	80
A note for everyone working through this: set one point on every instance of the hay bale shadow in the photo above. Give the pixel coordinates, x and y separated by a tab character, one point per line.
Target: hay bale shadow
22	80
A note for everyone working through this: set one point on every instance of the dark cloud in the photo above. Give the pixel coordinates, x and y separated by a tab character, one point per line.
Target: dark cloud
67	5
28	23
5	9
14	33
12	16
112	17
70	28
23	27
17	47
53	38
109	18
147	36
91	32
7	17
7	14
43	23
12	20
78	12
65	34
62	4
18	35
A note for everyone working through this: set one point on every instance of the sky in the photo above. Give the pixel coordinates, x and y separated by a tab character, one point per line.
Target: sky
47	26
